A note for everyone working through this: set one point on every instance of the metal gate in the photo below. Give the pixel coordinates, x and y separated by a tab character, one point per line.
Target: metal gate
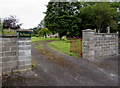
76	46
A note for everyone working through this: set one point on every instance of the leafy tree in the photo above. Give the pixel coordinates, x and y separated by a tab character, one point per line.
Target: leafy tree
11	23
44	32
35	30
99	16
86	14
41	25
62	18
70	18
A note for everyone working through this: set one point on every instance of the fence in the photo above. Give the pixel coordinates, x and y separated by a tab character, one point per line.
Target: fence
76	46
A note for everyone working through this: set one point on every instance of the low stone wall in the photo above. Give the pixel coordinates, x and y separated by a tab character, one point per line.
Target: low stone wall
99	44
11	49
106	44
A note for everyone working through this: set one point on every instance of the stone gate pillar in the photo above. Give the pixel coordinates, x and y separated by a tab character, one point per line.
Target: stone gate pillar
24	47
88	44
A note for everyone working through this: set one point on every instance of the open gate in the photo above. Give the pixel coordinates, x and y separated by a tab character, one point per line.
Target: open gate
76	46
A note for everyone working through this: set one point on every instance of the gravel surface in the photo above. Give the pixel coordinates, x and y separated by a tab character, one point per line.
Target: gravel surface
56	69
100	72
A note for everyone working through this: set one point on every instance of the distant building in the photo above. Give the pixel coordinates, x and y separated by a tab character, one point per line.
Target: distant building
118	9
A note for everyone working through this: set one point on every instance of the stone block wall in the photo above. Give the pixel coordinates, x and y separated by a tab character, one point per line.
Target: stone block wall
99	44
9	53
106	44
11	50
24	52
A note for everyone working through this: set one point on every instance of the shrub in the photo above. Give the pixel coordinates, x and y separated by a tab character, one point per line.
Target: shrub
44	32
64	38
9	32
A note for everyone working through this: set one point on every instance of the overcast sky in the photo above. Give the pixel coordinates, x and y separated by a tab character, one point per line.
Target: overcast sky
29	12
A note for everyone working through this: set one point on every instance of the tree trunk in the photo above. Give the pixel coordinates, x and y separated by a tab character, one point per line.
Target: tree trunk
60	35
45	35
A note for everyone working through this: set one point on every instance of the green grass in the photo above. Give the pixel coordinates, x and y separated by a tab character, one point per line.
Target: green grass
37	39
62	46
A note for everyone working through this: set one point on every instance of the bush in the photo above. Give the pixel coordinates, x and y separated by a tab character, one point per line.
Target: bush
64	38
33	35
44	32
9	32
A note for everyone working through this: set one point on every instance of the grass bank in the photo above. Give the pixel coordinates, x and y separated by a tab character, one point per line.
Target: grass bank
62	46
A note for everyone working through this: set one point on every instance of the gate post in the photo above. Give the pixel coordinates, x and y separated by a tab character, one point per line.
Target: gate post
24	45
88	44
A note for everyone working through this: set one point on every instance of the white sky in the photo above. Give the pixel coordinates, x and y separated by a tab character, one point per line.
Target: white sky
29	12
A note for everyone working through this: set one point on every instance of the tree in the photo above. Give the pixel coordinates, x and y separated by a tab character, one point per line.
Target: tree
41	25
11	23
62	18
86	14
99	16
35	30
70	18
44	32
104	16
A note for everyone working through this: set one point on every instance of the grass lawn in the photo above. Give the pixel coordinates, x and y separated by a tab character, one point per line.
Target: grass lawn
62	46
37	39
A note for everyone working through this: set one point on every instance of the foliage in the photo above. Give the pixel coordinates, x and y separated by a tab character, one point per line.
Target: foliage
41	25
35	30
44	32
98	16
11	23
70	18
104	16
64	38
63	18
34	35
5	31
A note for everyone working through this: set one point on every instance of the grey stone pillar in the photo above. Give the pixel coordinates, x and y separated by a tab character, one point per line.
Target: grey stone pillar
88	44
24	45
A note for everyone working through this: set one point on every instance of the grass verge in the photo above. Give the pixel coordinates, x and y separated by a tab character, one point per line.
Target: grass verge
62	46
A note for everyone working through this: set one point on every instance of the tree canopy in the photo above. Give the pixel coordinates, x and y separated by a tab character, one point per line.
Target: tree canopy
70	18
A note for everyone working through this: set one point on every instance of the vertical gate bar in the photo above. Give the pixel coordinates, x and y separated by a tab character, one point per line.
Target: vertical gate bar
81	47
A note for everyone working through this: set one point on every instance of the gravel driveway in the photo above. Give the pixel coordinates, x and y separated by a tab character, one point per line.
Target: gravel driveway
57	69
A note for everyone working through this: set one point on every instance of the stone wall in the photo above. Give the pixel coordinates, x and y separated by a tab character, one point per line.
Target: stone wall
99	44
24	46
11	49
106	44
